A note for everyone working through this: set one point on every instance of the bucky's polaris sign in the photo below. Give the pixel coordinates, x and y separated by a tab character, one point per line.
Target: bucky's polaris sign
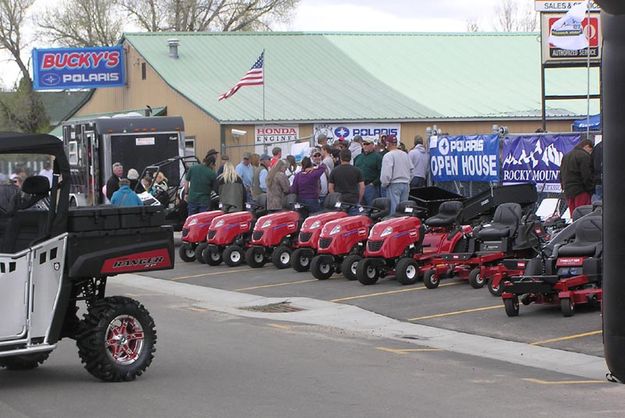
78	68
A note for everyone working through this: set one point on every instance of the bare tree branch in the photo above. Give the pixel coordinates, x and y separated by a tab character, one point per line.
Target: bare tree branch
512	17
472	25
12	19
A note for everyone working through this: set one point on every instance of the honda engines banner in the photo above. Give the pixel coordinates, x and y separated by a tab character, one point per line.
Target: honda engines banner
268	136
78	68
465	158
348	131
536	159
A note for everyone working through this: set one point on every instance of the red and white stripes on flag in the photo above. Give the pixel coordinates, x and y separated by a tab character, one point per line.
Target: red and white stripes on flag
254	77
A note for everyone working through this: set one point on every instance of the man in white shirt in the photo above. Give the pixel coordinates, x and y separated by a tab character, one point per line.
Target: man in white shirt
396	172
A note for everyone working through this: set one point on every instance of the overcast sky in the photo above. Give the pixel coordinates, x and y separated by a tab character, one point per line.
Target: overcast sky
362	15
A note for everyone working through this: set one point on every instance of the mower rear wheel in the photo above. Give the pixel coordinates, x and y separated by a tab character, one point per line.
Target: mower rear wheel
24	362
431	279
366	272
199	250
212	256
495	290
187	252
567	307
350	265
512	306
233	256
322	267
255	257
281	257
475	279
300	259
407	271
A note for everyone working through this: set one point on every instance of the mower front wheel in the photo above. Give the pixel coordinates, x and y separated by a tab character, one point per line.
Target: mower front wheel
187	252
300	259
255	257
366	272
475	279
407	271
233	256
322	267
495	290
198	251
512	306
431	279
349	266
212	256
567	307
281	257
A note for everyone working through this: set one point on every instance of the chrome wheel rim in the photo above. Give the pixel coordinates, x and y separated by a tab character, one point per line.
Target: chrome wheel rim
124	339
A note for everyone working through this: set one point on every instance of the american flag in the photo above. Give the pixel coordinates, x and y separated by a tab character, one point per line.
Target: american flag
254	77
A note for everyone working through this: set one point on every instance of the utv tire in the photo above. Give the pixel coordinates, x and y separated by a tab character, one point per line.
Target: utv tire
118	339
367	273
349	266
407	271
234	256
322	267
567	307
212	256
199	250
281	257
255	257
300	259
24	362
431	279
475	279
512	306
187	252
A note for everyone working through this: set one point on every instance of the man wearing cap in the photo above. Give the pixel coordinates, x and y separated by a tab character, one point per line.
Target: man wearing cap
199	184
322	139
355	147
112	184
124	196
370	163
245	171
396	172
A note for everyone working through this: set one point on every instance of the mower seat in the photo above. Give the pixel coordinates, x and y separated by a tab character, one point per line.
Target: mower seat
447	214
505	223
588	239
380	208
408	208
329	203
581	211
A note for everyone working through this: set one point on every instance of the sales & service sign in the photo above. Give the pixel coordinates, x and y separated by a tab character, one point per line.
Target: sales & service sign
78	68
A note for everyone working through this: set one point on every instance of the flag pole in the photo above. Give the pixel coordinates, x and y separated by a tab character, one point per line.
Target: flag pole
264	82
588	72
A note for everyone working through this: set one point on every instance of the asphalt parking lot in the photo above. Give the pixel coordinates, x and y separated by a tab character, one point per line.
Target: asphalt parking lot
454	305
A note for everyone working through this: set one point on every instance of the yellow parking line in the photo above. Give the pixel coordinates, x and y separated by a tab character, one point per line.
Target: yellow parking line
214	273
568	337
275	285
402	351
390	292
280	326
564	382
485	308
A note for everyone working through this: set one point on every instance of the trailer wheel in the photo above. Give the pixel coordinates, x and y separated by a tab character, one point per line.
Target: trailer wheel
407	271
24	362
350	265
512	306
300	259
495	290
475	279
187	252
118	339
233	256
281	257
199	250
212	256
366	272
567	307
431	279
255	257
322	267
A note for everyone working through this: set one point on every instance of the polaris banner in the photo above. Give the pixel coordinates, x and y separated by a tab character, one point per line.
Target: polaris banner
465	158
348	131
78	68
536	159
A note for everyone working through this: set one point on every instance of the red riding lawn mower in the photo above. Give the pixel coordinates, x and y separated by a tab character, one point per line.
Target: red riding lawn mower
342	242
567	275
194	233
510	235
229	234
308	239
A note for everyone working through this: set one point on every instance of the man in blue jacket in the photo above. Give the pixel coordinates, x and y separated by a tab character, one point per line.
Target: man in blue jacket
125	196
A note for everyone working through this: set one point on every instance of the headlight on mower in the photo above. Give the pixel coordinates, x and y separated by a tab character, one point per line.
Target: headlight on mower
387	231
335	230
315	225
266	224
194	221
219	223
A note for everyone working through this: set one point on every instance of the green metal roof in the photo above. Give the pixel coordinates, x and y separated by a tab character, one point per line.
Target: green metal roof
364	76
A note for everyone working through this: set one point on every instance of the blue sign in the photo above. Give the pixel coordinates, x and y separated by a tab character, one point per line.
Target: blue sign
536	159
465	158
78	68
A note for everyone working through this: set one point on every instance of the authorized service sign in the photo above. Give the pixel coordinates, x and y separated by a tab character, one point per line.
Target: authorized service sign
590	26
78	68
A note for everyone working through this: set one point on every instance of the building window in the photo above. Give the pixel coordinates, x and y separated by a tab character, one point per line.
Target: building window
143	71
189	146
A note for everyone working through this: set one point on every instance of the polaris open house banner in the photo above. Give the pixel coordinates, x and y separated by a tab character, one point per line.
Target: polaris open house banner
348	131
78	68
536	159
465	158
